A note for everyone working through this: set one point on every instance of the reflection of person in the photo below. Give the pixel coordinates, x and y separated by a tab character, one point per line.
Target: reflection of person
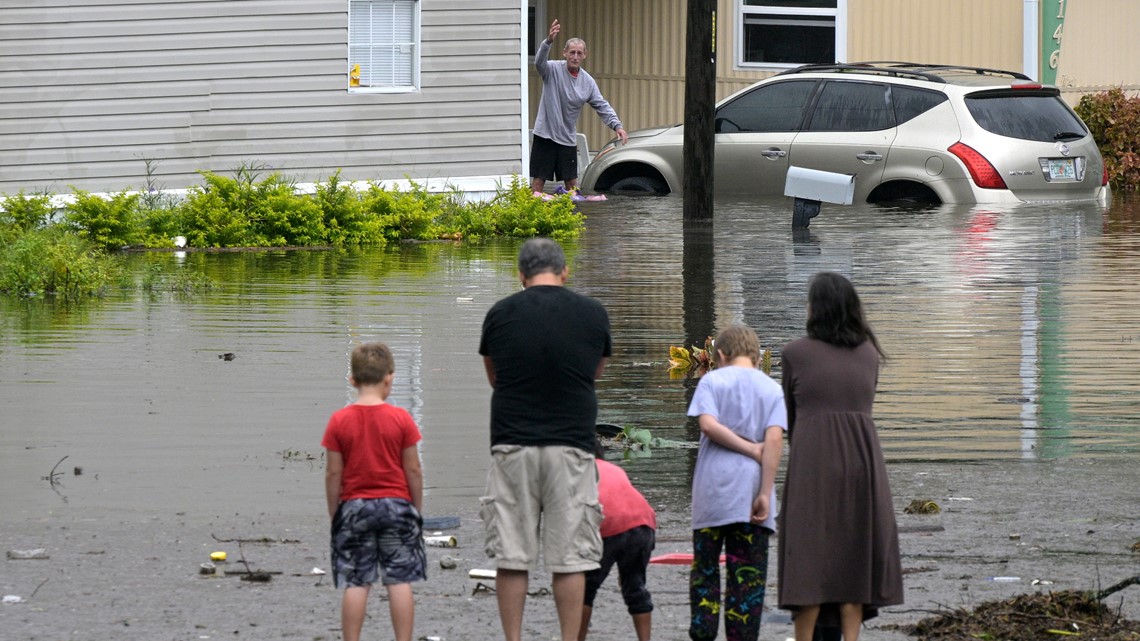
629	534
374	488
566	86
742	419
838	538
543	348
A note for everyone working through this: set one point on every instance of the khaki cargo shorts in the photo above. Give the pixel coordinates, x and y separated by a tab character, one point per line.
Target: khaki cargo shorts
554	485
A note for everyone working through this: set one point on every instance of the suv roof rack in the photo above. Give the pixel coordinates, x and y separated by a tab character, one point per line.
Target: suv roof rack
904	69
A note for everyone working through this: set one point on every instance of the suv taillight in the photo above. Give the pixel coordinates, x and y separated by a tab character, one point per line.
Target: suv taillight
983	173
1104	177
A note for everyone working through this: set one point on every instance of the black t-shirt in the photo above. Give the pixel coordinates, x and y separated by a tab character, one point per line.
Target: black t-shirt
545	344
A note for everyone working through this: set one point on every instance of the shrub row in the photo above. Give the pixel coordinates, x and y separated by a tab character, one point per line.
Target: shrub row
70	252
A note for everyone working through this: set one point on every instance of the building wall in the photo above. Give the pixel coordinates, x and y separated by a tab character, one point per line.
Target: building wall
89	91
637	47
1113	62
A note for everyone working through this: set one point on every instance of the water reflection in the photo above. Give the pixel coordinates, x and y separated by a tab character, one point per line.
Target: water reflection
1010	331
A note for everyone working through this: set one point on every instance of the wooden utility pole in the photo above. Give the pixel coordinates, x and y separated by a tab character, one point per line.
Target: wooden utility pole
700	98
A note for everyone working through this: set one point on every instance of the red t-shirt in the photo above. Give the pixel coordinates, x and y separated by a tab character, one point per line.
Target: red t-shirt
372	440
623	507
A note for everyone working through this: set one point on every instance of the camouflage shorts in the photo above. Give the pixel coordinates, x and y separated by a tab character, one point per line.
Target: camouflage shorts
377	538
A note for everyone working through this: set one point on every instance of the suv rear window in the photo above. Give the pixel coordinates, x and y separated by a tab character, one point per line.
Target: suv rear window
1024	114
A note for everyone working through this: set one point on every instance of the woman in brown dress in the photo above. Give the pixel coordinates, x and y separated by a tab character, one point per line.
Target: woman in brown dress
839	550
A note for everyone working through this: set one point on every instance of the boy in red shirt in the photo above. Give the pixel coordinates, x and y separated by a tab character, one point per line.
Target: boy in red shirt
629	534
374	486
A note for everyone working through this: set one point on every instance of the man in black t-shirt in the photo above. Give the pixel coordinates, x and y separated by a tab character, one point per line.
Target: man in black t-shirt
543	348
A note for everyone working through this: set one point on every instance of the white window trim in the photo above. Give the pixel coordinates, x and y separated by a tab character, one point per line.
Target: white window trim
541	26
840	14
417	42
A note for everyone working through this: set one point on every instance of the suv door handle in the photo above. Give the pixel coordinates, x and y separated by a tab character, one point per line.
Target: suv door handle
773	153
869	156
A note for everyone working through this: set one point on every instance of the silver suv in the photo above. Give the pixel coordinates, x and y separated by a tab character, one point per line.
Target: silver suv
908	132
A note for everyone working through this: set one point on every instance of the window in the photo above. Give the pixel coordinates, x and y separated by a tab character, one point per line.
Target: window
1025	114
911	103
778	106
787	33
383	45
852	106
536	26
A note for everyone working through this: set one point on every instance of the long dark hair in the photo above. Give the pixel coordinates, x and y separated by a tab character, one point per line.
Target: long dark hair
835	314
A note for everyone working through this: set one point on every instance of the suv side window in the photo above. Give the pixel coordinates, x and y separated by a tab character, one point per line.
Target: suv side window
852	106
778	106
910	102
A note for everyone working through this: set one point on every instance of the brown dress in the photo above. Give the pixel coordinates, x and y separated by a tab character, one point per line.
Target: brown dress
838	539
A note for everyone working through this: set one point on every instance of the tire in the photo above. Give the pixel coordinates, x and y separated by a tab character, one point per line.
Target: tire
639	186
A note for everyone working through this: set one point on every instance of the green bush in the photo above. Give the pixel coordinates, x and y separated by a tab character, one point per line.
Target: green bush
402	215
25	213
53	261
218	213
343	216
517	213
109	223
1114	120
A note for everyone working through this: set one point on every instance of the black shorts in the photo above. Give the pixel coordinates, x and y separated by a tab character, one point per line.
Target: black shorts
552	161
630	551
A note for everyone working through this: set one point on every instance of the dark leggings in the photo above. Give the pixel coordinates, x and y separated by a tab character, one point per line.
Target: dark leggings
746	554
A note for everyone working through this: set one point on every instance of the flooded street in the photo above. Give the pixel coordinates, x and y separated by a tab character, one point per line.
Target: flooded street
1012	336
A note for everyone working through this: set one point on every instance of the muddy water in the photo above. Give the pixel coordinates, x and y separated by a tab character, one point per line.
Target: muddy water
1012	336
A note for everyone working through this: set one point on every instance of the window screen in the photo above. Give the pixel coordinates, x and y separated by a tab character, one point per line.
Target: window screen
383	52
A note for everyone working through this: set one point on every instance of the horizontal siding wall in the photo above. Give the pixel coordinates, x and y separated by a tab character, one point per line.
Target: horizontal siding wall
90	91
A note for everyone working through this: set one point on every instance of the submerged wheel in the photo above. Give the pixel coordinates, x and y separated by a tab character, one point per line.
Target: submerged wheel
639	185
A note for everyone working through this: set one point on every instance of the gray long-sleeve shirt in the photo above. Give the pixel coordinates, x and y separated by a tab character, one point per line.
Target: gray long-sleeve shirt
562	98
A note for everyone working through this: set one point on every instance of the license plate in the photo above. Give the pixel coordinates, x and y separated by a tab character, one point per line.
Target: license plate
1062	169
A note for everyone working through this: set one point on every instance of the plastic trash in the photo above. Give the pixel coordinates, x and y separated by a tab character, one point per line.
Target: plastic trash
481	574
316	571
217	556
442	541
10	599
1005	579
19	555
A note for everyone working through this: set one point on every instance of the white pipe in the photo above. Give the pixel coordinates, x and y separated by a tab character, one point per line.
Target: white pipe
1030	47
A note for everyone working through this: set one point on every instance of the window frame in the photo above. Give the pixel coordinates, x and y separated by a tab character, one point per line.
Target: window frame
741	11
416	44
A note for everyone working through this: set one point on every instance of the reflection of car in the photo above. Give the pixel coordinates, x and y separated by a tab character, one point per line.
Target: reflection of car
908	132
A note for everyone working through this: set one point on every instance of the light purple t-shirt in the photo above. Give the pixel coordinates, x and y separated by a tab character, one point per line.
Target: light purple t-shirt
747	401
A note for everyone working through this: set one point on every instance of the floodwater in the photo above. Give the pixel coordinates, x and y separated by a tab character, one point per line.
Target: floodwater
1012	336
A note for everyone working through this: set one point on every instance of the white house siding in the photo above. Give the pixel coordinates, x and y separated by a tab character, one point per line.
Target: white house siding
91	89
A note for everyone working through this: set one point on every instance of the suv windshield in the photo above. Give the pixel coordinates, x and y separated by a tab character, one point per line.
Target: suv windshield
1026	115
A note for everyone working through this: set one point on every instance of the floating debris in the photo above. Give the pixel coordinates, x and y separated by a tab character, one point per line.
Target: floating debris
922	506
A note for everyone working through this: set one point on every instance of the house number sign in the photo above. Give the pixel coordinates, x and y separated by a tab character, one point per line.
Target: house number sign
1052	30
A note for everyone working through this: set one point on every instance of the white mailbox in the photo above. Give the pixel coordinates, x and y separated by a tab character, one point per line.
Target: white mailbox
821	186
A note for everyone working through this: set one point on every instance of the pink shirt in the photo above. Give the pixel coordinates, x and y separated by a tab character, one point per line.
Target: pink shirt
623	507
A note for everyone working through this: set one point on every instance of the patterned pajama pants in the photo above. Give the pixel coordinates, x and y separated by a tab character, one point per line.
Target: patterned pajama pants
746	554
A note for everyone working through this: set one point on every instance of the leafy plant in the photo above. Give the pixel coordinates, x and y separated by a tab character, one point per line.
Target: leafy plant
52	261
637	442
1114	120
24	212
110	222
696	361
